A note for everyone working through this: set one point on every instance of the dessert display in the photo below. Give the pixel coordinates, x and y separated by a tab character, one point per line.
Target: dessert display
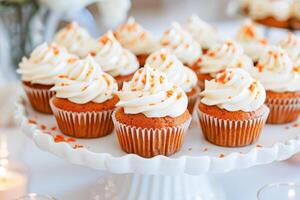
75	39
38	73
113	59
228	54
146	122
281	79
176	73
134	37
232	111
205	34
182	44
84	100
251	40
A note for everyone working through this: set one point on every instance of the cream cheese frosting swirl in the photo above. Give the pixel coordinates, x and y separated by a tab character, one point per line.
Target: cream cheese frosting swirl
176	72
228	54
251	40
75	39
134	37
113	59
276	72
182	44
234	90
44	64
85	82
291	44
279	9
150	93
202	32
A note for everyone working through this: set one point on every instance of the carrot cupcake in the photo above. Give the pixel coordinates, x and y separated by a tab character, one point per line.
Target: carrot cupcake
251	40
38	73
75	39
232	111
228	54
282	83
134	37
291	44
118	62
205	34
177	73
181	44
271	13
84	100
146	122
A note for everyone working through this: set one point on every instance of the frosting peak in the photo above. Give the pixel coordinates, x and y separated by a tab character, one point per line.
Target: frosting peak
85	82
291	44
276	72
176	72
181	44
75	39
149	92
202	32
234	90
44	64
224	55
134	37
113	59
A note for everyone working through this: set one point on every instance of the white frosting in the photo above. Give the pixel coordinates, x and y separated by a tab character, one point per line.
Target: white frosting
234	90
176	72
202	32
251	40
85	82
134	37
291	44
182	44
75	39
150	93
279	9
276	72
228	54
113	58
44	64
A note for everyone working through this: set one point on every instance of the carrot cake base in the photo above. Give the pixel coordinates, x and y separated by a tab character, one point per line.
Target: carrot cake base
121	79
142	59
272	22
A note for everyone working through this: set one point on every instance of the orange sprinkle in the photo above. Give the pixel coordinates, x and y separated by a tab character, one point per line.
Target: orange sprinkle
77	146
221	155
72	60
205	149
259	146
179	96
53	128
239	65
295	125
71	140
104	39
222	78
170	93
296	69
55	51
211	54
249	31
165	43
92	53
263	41
69	26
161	79
252	87
43	126
32	121
62	76
260	68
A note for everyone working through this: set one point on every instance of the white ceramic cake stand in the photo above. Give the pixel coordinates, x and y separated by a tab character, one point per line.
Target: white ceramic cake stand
183	176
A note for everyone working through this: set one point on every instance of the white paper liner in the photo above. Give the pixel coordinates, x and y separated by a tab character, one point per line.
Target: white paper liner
39	98
149	142
231	133
83	124
283	110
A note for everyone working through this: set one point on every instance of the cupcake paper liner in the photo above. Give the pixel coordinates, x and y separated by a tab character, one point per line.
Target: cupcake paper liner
39	98
283	110
231	133
148	142
83	124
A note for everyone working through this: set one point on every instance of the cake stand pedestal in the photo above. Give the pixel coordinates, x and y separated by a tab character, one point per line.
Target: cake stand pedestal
185	175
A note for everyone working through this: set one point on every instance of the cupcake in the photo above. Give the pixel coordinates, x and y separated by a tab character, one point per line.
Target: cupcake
75	39
146	122
271	13
295	15
84	100
177	73
232	111
134	37
251	40
202	32
281	80
115	60
182	45
38	73
291	44
228	54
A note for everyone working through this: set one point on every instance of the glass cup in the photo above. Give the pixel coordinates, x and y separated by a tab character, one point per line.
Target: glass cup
34	196
281	191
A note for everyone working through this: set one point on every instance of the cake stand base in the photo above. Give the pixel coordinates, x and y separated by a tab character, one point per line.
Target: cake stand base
153	187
